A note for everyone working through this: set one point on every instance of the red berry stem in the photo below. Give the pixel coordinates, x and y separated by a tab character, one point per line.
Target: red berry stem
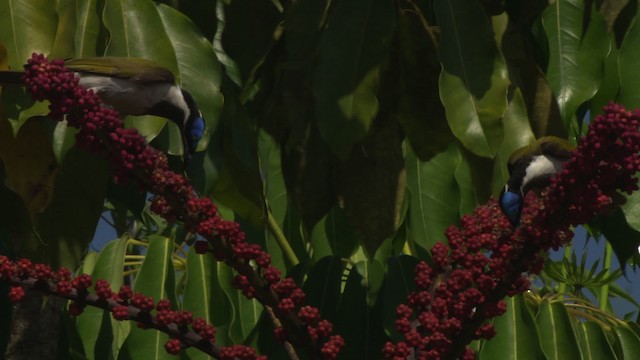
102	131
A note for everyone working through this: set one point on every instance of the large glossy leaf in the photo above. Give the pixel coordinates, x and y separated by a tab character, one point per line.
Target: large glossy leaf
275	194
593	341
360	312
248	34
323	286
303	21
136	30
435	195
244	313
198	292
575	59
63	47
627	344
333	235
87	29
199	69
474	80
81	184
29	164
398	284
517	334
371	183
353	51
517	133
610	85
27	27
155	279
623	236
628	61
420	111
557	337
93	323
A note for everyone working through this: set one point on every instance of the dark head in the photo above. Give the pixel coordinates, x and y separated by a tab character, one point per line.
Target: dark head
511	205
193	128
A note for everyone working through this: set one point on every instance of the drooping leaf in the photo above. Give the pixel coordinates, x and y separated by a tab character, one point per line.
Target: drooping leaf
575	61
371	184
198	292
557	338
516	334
155	279
27	27
627	345
245	314
360	312
136	30
353	51
323	286
332	235
92	323
29	165
87	29
474	79
200	71
398	284
435	195
593	341
420	111
517	133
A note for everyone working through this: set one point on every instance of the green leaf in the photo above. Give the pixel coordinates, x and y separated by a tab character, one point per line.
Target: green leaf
517	133
435	195
198	66
27	27
627	345
474	80
398	285
516	334
87	29
420	111
557	337
323	286
576	60
81	184
624	238
333	235
353	52
275	192
197	293
93	323
63	43
594	342
360	315
245	314
249	30
155	279
136	30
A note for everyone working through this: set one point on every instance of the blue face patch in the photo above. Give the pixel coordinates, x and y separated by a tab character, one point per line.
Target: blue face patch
511	205
197	129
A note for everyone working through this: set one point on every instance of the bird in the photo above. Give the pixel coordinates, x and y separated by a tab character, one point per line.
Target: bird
135	86
531	167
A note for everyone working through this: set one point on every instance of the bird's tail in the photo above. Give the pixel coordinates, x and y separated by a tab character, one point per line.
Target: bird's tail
11	78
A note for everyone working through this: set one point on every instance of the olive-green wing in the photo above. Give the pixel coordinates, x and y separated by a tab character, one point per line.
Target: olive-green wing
547	145
133	69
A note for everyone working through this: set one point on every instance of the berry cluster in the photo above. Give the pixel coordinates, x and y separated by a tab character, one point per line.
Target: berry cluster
184	329
486	257
101	130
